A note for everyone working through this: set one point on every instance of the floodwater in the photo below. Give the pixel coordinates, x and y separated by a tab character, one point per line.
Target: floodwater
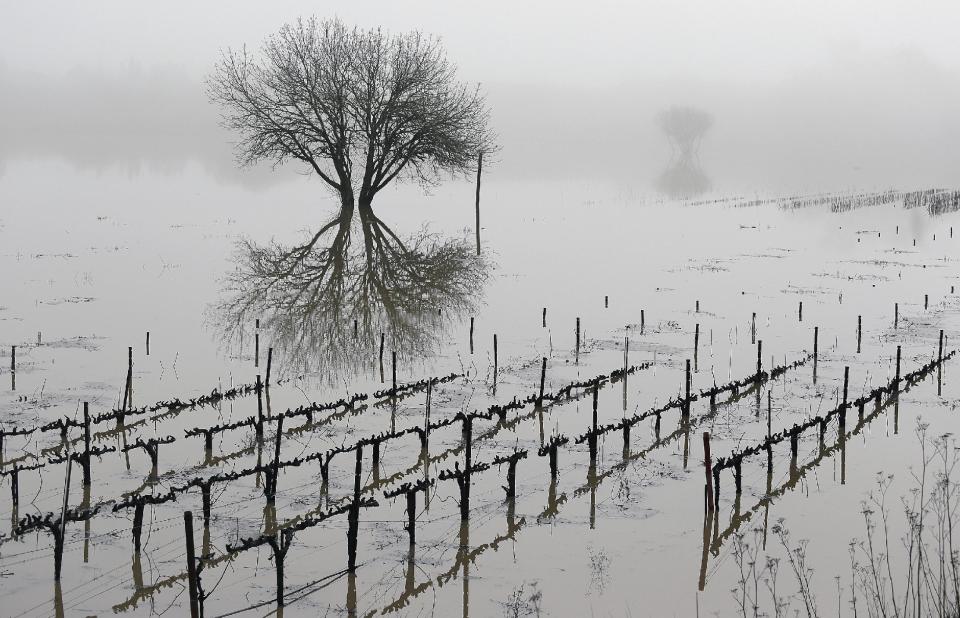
93	260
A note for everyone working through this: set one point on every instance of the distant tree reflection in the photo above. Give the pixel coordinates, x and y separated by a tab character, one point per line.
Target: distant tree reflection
324	304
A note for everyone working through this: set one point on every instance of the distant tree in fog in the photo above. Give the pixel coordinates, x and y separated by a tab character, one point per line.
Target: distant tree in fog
361	108
685	127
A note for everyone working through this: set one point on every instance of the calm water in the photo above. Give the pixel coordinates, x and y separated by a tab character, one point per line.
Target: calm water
91	260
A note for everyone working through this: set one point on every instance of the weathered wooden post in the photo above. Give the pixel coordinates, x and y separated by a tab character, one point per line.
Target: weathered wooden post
412	516
471	335
479	171
686	398
898	367
593	432
843	406
800	312
708	470
940	349
86	444
353	515
259	427
468	469
191	565
896	315
753	327
543	378
544	317
148	343
256	346
642	320
393	370
759	359
269	364
381	356
926	301
495	368
859	331
577	347
696	347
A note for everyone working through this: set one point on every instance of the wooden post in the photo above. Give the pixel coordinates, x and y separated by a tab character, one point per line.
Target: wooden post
468	468
686	400
926	301
129	394
753	327
13	359
471	335
393	371
269	364
577	348
800	312
696	347
495	369
606	302
859	331
412	516
191	564
544	317
381	356
708	470
86	444
148	343
593	433
698	306
898	366
543	379
940	350
353	516
759	359
256	347
642	320
843	407
896	315
816	337
479	171
259	427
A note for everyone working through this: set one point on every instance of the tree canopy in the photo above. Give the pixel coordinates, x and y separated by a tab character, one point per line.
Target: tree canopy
360	108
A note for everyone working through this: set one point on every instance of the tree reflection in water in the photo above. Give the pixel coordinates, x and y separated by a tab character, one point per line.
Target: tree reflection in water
324	304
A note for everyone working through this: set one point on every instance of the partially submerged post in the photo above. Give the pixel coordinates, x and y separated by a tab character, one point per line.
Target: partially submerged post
495	368
269	364
759	360
353	515
708	470
479	171
191	565
859	331
577	346
543	378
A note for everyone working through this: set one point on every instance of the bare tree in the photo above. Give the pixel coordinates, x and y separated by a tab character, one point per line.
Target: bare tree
361	108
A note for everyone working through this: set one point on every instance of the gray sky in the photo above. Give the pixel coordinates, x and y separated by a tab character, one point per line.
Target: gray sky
803	94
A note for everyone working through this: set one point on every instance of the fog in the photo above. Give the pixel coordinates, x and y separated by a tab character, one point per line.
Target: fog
803	98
